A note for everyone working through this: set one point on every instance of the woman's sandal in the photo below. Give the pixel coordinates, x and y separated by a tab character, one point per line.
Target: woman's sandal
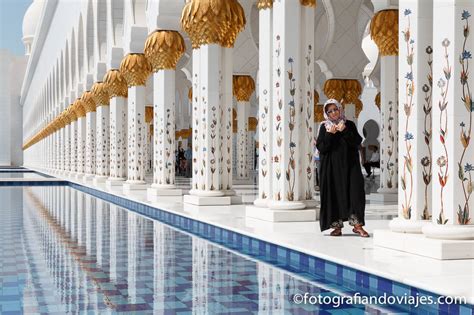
336	232
360	231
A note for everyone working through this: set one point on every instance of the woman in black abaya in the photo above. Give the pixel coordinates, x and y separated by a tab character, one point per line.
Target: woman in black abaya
341	181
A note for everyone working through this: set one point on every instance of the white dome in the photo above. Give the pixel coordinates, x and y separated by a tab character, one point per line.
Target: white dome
31	18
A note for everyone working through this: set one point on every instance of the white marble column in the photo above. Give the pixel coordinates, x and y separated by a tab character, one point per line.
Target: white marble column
90	107
385	35
415	96
212	55
135	68
243	86
118	91
81	139
101	98
453	154
163	135
265	107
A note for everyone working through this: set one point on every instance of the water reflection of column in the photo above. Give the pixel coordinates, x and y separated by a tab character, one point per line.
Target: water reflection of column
271	296
114	228
90	207
132	256
80	218
200	273
73	207
101	217
164	264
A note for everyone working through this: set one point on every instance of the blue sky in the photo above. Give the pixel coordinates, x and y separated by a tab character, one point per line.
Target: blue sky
11	20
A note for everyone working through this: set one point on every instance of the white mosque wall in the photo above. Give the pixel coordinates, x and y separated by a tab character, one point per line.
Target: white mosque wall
370	111
12	69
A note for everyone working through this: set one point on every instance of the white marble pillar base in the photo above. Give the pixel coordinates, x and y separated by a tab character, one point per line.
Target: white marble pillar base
383	197
401	225
129	187
164	191
112	181
88	177
99	180
267	214
79	177
449	232
207	200
419	244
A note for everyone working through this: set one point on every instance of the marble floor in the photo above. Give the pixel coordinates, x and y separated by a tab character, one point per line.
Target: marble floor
449	277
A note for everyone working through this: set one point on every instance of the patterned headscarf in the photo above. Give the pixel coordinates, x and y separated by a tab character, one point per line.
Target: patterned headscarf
328	122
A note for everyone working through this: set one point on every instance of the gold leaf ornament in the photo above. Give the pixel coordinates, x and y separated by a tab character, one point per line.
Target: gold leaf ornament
384	32
136	69
116	84
164	49
100	94
88	100
243	87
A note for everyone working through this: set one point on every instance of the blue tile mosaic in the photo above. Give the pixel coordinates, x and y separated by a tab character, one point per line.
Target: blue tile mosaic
96	256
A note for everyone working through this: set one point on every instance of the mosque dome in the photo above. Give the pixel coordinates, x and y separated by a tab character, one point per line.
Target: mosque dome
30	22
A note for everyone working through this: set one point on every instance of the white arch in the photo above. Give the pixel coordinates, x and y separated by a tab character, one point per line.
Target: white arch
73	63
89	37
81	59
116	20
100	30
67	81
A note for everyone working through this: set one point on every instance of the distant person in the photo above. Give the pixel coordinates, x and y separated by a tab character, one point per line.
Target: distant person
373	162
188	155
341	181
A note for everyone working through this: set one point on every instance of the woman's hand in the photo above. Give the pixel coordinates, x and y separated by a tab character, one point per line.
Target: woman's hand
332	129
341	126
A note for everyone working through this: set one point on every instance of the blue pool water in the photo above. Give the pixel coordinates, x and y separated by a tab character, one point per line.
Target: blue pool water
64	251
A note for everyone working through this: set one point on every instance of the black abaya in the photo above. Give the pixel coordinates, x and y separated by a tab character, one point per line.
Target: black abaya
341	181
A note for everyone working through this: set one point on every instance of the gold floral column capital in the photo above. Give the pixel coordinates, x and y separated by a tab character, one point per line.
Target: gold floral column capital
253	122
79	108
148	114
190	94
308	3
116	84
264	4
88	100
377	100
384	32
71	113
213	22
352	91
164	49
334	88
136	69
243	87
100	94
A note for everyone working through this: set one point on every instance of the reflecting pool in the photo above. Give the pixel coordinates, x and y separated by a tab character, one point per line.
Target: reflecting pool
64	251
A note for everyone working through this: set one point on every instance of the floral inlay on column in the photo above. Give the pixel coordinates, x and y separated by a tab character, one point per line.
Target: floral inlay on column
308	123
389	165
427	132
464	170
278	122
443	160
291	168
408	107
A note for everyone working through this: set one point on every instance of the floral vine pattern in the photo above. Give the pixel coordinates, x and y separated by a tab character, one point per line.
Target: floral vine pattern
278	123
309	122
263	125
408	106
463	214
391	136
196	127
291	168
427	109
443	160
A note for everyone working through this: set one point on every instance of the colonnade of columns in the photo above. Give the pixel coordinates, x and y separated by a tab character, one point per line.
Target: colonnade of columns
102	135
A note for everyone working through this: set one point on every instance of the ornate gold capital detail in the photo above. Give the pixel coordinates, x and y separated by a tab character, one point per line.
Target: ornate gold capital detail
71	113
115	83
264	4
377	100
213	22
243	87
358	107
318	113
148	114
136	69
190	94
79	108
334	88
164	49
100	94
352	91
384	32
253	122
308	3
316	97
88	100
234	114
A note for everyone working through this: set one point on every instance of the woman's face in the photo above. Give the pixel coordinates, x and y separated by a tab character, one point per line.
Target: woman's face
333	112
